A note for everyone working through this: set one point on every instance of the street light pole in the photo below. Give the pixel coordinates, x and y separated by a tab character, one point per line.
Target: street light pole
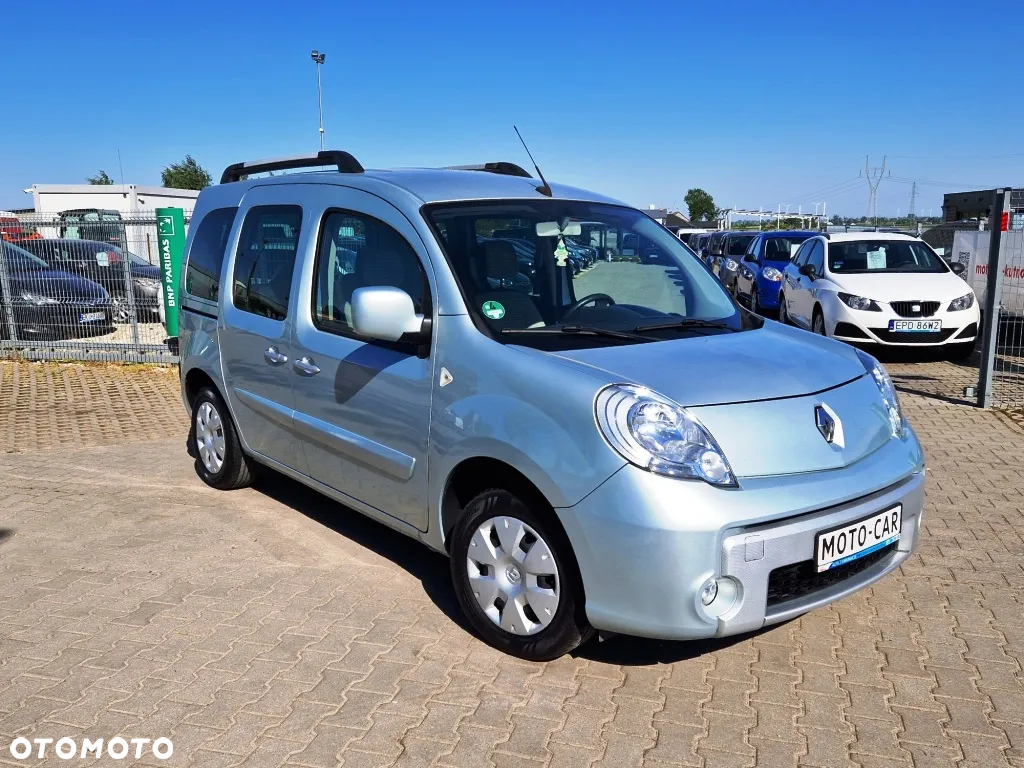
318	59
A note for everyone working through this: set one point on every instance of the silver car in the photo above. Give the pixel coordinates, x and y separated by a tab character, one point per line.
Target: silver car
624	451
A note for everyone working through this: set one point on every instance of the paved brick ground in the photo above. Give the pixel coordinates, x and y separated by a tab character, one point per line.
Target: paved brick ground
272	627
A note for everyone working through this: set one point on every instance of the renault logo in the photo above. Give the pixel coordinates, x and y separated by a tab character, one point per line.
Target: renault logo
828	423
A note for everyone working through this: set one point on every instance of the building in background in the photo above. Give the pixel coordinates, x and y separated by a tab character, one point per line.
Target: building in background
967	206
131	199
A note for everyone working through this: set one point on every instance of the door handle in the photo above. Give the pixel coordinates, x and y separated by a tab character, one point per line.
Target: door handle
306	367
274	356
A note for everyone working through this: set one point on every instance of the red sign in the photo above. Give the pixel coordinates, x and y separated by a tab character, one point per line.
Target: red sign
1004	224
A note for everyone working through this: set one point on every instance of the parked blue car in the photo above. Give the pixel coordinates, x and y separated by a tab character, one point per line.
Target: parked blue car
760	272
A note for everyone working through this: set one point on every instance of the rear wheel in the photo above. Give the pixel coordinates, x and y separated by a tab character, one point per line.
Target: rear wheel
220	461
516	578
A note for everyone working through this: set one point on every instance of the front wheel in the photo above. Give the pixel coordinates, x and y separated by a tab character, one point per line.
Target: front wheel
783	312
516	579
213	440
818	323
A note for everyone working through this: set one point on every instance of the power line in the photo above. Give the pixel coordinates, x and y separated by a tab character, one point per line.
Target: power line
957	157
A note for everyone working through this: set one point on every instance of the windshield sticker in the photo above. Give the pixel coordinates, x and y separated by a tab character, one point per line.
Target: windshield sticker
876	259
102	259
493	310
561	254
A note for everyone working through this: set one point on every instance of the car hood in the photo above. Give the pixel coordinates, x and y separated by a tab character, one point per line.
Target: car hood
757	392
772	362
57	284
906	286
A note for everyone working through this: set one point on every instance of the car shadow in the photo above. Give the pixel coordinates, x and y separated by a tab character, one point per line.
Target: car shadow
641	651
5	533
430	567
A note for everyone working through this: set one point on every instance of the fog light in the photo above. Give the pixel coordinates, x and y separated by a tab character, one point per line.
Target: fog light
719	596
709	592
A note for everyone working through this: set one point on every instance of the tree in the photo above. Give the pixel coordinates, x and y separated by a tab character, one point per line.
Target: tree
700	204
100	178
187	174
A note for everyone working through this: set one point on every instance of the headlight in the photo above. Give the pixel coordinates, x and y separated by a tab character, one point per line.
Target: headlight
771	273
658	435
964	302
859	302
730	264
892	401
38	299
149	283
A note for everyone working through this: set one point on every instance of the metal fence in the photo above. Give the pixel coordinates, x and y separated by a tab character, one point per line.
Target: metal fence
82	285
1001	369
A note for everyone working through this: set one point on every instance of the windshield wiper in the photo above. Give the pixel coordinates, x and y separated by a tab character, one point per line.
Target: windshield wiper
685	322
580	330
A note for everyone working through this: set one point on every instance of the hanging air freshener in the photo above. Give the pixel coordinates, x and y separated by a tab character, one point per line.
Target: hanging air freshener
561	253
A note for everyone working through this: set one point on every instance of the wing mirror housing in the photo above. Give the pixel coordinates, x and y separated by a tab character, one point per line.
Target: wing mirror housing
808	271
385	313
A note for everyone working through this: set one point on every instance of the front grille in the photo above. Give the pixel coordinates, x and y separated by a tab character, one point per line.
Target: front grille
913	337
907	308
801	579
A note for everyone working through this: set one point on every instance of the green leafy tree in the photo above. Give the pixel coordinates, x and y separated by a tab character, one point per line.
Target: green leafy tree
187	174
100	178
700	204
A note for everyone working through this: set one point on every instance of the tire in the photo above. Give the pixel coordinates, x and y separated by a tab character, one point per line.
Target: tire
213	440
783	313
120	312
755	304
818	323
959	352
504	577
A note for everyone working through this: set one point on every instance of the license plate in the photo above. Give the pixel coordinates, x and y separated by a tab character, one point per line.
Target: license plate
915	325
854	540
92	317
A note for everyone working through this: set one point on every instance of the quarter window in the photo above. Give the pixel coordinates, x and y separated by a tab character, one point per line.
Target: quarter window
265	260
359	251
206	256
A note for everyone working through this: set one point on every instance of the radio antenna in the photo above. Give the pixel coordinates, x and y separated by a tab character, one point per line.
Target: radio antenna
544	188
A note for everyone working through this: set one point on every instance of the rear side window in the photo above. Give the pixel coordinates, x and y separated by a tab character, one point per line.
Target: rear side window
265	260
202	274
358	251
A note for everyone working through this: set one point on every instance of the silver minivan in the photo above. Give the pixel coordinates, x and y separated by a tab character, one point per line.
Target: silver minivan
625	450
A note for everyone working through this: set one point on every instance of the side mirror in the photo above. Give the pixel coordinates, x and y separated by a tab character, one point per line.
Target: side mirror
808	270
957	267
751	258
384	313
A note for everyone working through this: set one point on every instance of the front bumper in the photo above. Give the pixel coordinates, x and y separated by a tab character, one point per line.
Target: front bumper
857	327
646	544
768	293
60	321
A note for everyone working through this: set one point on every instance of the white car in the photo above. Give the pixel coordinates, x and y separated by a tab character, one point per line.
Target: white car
879	288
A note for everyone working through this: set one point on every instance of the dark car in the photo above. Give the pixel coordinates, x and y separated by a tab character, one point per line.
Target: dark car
104	263
49	303
93	224
734	245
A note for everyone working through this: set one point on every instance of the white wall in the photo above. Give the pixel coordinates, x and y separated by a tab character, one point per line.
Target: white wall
127	198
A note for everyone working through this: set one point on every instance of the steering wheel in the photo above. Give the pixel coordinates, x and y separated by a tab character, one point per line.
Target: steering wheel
591	299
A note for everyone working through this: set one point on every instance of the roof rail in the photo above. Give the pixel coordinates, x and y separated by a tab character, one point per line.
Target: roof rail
501	167
343	160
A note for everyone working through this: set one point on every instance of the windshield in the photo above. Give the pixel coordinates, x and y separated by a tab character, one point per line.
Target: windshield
883	256
560	274
18	259
782	248
738	245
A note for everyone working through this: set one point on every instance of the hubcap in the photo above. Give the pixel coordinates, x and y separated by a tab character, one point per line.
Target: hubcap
513	575
210	437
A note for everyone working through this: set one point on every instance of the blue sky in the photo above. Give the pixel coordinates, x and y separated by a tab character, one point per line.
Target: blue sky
759	103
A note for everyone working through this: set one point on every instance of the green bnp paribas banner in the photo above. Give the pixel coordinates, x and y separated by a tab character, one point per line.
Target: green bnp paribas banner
170	234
